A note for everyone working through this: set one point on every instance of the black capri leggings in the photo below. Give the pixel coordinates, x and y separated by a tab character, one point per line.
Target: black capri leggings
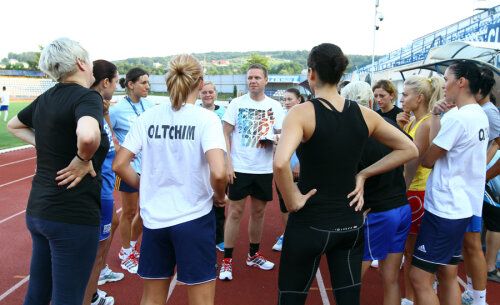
301	255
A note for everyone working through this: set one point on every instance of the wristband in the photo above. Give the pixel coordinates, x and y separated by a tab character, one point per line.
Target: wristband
81	159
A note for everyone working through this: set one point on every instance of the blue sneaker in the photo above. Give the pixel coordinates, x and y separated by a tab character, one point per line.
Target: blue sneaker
220	246
279	244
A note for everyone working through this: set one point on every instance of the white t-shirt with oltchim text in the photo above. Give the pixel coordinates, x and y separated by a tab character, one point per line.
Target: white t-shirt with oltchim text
175	175
252	120
455	187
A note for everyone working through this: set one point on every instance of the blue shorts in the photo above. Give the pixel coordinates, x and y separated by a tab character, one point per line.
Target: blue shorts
386	232
122	186
4	107
439	242
106	217
475	224
189	245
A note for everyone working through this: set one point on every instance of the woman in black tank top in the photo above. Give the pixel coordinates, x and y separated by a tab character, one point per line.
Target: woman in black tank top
330	134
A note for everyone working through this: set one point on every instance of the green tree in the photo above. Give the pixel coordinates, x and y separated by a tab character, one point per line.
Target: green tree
255	58
235	91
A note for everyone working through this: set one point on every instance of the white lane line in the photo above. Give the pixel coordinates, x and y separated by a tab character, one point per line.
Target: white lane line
21	179
321	286
11	290
173	283
15	148
14	162
5	219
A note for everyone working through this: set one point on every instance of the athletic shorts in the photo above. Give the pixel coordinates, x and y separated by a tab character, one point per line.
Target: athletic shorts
122	186
416	200
106	217
259	186
386	232
4	107
190	246
439	242
491	217
475	225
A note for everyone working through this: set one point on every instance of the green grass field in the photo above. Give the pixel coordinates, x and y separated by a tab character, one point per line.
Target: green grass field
6	139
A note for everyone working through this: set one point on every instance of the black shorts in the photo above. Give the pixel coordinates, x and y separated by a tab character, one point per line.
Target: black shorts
491	217
259	186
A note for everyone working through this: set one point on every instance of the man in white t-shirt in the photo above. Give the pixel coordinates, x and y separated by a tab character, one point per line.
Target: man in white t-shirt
5	97
250	124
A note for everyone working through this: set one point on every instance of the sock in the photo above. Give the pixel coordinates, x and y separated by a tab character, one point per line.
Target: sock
469	284
254	248
132	243
228	252
5	117
479	297
94	297
127	251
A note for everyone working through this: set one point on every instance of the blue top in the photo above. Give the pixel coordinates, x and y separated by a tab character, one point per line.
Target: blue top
218	110
108	176
122	116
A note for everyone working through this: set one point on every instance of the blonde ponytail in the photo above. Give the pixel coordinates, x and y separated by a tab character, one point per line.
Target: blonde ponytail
184	73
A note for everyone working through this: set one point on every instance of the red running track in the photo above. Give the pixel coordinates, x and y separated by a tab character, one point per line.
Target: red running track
250	285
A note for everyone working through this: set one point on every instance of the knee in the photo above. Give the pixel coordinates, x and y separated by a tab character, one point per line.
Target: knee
236	212
258	212
415	279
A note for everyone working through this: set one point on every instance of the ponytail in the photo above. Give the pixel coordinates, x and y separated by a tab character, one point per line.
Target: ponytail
184	73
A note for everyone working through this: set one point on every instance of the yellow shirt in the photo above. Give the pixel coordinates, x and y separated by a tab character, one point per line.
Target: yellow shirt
420	179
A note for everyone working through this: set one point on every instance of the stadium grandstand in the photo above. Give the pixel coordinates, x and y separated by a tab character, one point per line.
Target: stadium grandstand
481	30
25	84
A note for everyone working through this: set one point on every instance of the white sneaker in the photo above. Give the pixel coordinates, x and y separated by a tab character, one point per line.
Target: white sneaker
107	276
279	244
122	254
131	263
101	293
259	261
467	298
103	301
226	270
405	301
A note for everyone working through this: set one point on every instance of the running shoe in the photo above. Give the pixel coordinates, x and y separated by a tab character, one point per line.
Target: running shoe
103	300
279	244
107	275
122	254
405	301
131	263
226	270
467	298
493	276
259	261
101	293
220	246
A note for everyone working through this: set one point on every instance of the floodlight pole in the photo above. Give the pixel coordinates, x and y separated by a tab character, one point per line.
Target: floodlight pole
372	68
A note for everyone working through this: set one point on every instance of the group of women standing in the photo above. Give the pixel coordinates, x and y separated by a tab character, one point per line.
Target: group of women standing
179	148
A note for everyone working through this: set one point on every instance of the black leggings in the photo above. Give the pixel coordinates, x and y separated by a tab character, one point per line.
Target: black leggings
301	255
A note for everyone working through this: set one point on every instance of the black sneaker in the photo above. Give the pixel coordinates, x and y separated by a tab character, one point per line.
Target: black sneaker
494	276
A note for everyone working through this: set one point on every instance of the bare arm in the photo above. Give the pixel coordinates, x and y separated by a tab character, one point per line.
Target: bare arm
492	150
292	134
218	177
422	142
493	171
122	167
228	130
21	131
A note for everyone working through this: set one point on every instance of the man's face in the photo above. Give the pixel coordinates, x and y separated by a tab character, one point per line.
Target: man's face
256	81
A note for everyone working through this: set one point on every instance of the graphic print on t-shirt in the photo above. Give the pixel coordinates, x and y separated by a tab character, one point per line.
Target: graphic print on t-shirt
253	124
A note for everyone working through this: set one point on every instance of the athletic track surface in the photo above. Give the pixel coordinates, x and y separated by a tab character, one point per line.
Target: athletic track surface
250	285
